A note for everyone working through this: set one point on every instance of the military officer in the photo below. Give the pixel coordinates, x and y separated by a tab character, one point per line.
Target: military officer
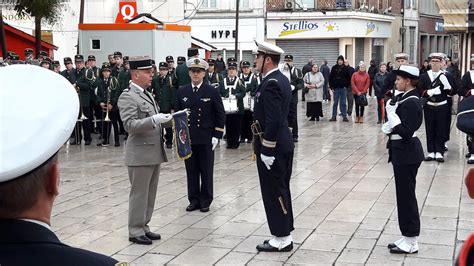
43	55
215	79
118	66
297	84
467	90
144	151
435	87
247	76
69	72
233	92
182	73
111	59
108	92
83	87
165	96
30	170
273	146
406	154
206	126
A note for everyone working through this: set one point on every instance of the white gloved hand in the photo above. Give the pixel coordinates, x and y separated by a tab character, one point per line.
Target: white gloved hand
472	92
393	120
386	129
435	91
214	142
391	109
292	87
267	160
161	118
445	82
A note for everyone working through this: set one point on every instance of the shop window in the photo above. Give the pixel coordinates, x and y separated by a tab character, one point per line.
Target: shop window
308	4
209	3
412	44
95	44
244	3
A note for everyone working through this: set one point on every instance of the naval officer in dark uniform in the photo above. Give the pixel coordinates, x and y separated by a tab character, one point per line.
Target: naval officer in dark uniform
406	154
467	91
29	174
206	126
273	147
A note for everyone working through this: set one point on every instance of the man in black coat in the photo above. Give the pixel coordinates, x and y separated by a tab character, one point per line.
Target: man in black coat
30	178
274	147
324	69
339	81
206	127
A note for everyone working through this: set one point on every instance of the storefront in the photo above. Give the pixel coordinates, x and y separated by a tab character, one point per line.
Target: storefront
433	38
359	37
221	33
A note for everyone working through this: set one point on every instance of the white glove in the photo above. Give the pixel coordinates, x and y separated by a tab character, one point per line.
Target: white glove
435	91
161	118
386	129
292	87
393	120
472	92
391	108
267	160
214	142
445	82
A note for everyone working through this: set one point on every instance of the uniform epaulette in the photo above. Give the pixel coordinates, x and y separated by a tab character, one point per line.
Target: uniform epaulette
273	80
126	90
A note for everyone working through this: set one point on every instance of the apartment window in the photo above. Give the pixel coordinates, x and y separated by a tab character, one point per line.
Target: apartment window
209	3
244	3
95	44
414	4
380	5
306	3
412	44
407	4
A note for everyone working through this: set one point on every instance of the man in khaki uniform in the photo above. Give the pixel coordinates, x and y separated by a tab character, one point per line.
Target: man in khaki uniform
144	151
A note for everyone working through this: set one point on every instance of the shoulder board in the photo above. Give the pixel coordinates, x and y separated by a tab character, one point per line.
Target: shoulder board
275	80
126	90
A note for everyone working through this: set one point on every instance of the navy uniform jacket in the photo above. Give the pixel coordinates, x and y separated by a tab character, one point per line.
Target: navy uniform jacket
207	115
408	150
27	243
272	104
70	75
466	85
426	84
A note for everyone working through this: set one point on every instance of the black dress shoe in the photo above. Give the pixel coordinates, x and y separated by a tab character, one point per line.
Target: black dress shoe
204	209
192	207
153	236
468	155
266	247
88	142
117	144
397	250
141	240
391	245
429	159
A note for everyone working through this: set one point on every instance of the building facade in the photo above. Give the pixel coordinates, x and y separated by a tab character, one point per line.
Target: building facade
324	29
214	22
433	37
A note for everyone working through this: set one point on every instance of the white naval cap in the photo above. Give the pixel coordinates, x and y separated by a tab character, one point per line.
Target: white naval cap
268	48
197	63
401	56
438	56
38	111
408	72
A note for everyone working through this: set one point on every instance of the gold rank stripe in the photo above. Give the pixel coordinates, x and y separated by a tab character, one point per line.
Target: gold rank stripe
269	144
219	129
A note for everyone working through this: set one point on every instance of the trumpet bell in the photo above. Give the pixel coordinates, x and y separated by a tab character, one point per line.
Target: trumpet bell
107	119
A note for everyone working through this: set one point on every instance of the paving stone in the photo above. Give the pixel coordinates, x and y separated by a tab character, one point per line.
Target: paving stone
200	255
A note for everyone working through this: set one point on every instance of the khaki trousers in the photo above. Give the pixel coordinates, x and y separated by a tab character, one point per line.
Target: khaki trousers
144	181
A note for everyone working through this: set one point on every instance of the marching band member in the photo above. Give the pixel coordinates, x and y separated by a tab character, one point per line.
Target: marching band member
434	86
108	92
274	148
215	79
406	154
83	86
246	77
69	72
165	96
233	92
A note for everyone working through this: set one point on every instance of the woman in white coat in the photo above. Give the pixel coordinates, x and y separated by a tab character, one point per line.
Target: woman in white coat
313	87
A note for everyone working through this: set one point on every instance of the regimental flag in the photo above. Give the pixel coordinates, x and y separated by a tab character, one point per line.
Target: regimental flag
181	139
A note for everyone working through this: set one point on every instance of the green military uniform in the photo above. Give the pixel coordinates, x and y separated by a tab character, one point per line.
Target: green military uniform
83	86
164	93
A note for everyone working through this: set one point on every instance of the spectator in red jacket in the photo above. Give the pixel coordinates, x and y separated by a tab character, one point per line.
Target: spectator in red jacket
360	82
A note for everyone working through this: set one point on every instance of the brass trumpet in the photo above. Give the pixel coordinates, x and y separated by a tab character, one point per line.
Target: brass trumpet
83	117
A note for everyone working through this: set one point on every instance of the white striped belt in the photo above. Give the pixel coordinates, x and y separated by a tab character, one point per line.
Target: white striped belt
437	104
398	137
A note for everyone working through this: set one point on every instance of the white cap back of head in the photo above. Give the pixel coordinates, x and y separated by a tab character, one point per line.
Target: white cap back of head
38	111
